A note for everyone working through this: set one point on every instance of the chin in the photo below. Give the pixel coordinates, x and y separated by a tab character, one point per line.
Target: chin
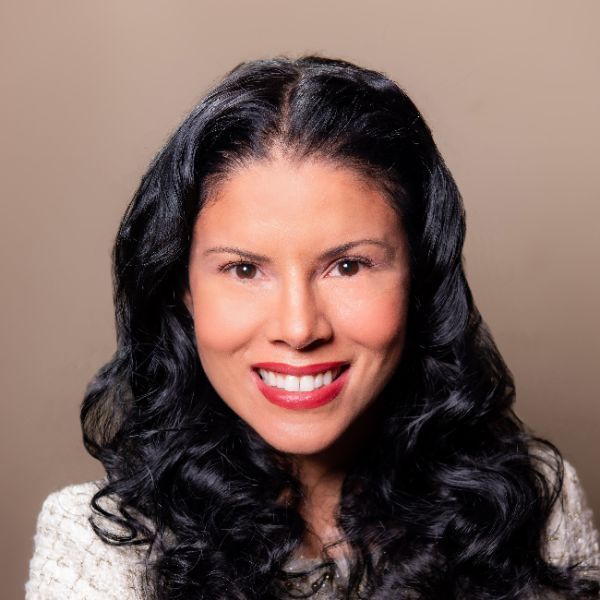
301	445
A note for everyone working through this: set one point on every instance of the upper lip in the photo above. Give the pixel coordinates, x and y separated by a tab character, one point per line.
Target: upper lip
286	369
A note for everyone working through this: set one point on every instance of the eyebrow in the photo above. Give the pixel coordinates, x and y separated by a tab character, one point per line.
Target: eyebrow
327	255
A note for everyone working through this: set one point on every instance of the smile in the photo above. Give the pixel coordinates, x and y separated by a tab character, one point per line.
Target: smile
304	387
293	383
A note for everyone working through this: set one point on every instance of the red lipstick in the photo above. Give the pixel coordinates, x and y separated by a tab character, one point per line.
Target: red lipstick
298	371
300	400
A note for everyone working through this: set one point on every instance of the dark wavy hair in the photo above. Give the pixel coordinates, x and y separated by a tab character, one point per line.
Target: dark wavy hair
449	500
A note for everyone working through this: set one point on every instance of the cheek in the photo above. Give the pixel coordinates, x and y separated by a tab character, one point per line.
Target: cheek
377	320
224	322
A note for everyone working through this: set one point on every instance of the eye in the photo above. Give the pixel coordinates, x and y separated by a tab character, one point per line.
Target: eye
241	270
347	267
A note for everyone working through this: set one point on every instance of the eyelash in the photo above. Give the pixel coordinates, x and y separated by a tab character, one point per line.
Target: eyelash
361	260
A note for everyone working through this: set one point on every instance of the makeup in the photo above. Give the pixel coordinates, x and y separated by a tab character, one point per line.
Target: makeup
300	337
322	383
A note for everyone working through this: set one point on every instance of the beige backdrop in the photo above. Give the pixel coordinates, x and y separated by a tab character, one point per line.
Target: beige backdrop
90	90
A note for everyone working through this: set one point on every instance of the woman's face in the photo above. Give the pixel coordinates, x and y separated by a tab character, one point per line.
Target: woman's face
299	290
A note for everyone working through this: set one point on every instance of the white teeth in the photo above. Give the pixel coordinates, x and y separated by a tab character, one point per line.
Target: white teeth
307	383
291	383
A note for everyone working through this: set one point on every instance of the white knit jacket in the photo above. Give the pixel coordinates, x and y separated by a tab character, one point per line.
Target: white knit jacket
71	562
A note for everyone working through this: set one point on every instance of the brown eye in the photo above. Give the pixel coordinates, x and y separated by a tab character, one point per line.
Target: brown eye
245	271
348	267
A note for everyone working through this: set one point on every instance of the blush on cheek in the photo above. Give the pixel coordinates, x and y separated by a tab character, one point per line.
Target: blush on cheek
223	324
383	327
374	322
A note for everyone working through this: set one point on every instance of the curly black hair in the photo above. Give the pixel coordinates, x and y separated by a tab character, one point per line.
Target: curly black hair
449	501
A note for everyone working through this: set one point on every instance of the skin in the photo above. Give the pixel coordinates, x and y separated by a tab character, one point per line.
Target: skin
290	213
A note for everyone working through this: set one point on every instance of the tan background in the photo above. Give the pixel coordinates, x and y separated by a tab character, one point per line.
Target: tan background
90	90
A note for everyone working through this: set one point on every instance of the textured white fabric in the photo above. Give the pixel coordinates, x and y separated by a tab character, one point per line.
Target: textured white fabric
570	533
71	562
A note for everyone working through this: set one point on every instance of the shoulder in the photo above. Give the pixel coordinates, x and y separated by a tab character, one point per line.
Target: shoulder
69	507
571	535
70	560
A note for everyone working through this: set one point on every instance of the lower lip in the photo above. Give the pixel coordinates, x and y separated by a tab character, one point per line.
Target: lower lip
302	400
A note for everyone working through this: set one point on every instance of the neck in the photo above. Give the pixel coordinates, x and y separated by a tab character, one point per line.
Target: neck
321	498
321	476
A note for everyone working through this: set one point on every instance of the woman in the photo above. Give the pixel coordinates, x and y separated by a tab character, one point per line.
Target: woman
304	401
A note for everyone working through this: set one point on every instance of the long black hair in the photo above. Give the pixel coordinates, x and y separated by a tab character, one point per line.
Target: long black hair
449	501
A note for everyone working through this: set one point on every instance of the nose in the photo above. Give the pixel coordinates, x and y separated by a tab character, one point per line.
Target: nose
299	319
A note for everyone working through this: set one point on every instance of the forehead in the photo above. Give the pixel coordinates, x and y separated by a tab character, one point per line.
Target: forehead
307	199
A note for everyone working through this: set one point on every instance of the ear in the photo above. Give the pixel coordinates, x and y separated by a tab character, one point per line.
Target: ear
187	300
